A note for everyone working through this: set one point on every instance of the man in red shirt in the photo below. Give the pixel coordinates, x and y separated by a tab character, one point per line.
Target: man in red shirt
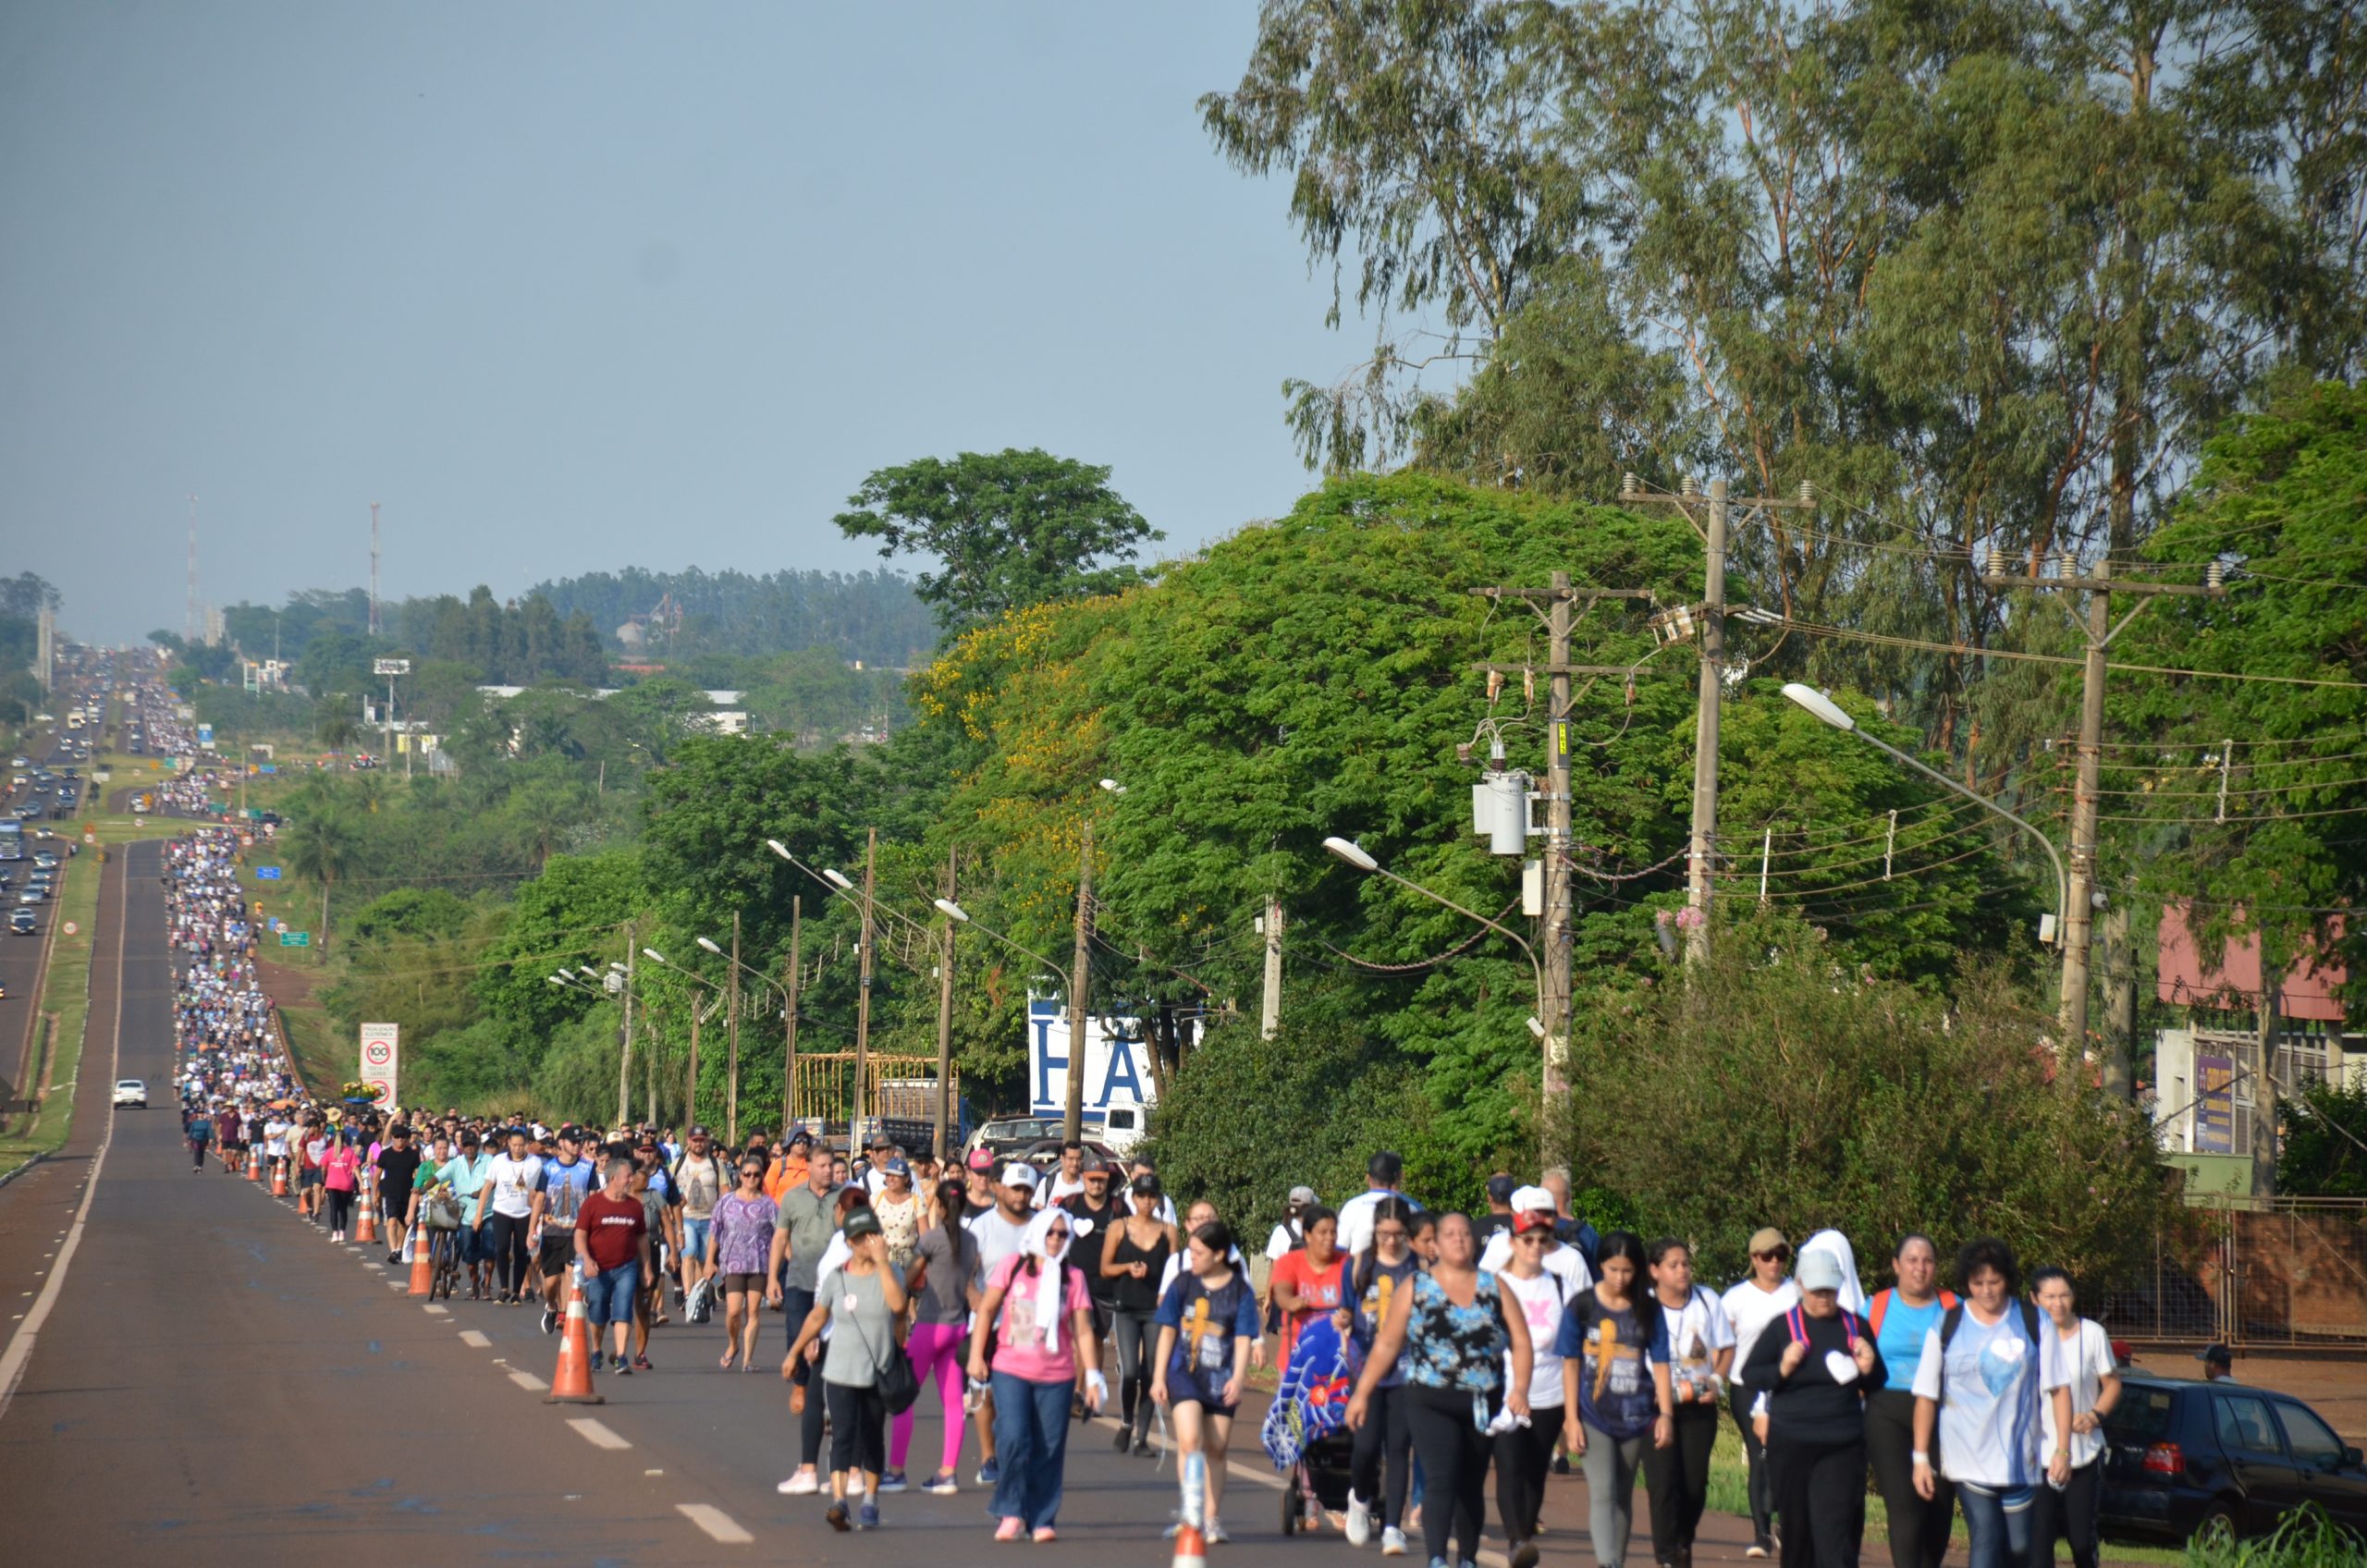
612	1245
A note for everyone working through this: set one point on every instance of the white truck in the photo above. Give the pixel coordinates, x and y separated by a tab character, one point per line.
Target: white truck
1118	1088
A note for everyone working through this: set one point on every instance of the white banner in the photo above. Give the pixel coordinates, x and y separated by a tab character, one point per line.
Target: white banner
381	1057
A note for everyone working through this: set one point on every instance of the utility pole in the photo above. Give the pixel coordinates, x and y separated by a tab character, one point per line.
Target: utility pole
1270	1011
2097	629
732	1029
862	995
937	1134
789	1030
624	1057
377	626
1072	1117
1556	921
2264	1129
1701	849
691	1099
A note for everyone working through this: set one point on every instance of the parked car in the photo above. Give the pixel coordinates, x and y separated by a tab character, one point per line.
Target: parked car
1045	1154
2180	1455
1012	1137
131	1091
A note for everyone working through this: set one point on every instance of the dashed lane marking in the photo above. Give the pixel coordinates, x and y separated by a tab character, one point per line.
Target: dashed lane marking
597	1435
434	1311
528	1382
476	1339
720	1525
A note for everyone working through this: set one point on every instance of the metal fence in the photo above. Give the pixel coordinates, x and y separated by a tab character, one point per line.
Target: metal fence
2287	1272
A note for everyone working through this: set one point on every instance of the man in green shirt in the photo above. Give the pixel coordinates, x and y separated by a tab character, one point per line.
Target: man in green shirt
808	1216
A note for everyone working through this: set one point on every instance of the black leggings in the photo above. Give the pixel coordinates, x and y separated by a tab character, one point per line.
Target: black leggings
1677	1479
340	1207
1820	1493
1524	1458
1918	1530
1137	1337
858	1426
1383	1448
510	1250
2070	1515
1759	1490
1454	1468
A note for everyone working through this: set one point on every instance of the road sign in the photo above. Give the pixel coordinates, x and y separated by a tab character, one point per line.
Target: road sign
381	1058
205	734
295	938
268	874
69	929
390	667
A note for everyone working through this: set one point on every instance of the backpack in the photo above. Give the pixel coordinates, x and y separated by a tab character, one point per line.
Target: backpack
1954	1319
1876	1309
1796	1322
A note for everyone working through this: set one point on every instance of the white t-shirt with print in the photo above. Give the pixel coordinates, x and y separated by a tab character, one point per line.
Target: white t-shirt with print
1749	1309
1697	1332
1996	1383
2087	1360
1542	1300
513	1183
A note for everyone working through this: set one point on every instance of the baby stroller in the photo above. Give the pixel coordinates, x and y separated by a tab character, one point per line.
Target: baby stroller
1305	1432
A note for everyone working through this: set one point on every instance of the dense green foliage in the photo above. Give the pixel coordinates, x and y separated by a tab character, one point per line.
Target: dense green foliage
868	616
1008	528
2325	1144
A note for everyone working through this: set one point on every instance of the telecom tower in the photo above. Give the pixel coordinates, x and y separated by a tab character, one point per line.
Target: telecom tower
191	630
374	570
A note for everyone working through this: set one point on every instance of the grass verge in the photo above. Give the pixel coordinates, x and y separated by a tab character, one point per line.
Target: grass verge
66	997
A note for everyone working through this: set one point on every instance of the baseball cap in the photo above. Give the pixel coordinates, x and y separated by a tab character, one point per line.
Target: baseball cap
2215	1353
1531	1219
1767	1239
1146	1185
1531	1200
698	1132
1499	1187
1018	1173
982	1159
1094	1166
1818	1272
1302	1198
861	1221
895	1167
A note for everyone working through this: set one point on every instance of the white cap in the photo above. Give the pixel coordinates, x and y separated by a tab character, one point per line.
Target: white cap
1018	1174
1529	1200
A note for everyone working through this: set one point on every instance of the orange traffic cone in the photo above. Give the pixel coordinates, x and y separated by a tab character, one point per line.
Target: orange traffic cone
255	1164
423	1269
1191	1546
366	1232
279	1178
571	1384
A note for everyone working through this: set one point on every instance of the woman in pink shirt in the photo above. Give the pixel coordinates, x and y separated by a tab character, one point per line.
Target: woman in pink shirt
1043	1319
341	1178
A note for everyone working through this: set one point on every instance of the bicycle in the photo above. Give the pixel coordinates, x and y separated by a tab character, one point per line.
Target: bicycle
444	1262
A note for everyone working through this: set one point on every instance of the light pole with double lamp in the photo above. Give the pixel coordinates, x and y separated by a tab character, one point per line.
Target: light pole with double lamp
2073	1010
690	1098
731	956
1556	1048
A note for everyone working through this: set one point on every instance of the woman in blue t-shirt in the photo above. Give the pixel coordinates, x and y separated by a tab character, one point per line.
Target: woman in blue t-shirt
1900	1318
1207	1321
1615	1375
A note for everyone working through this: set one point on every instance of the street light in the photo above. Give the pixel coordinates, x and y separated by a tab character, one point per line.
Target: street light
1355	855
730	956
1830	712
691	1099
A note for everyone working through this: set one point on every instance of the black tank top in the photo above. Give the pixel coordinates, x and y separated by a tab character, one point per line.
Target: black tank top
1133	1294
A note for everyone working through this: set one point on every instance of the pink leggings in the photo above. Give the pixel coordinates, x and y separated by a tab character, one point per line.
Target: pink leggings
932	1347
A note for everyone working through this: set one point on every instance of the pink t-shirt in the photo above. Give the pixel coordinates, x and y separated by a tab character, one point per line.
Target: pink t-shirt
1019	1338
341	1169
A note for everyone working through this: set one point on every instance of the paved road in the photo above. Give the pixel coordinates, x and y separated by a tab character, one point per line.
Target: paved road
19	955
214	1383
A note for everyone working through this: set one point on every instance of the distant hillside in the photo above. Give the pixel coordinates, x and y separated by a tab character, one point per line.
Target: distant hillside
870	616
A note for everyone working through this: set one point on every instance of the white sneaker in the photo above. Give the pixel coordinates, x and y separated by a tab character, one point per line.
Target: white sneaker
800	1484
1392	1542
1359	1520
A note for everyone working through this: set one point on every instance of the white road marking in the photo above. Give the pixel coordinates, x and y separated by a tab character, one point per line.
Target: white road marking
596	1434
528	1382
718	1524
474	1340
434	1311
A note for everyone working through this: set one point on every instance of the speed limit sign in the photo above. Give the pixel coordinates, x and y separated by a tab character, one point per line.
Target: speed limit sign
381	1056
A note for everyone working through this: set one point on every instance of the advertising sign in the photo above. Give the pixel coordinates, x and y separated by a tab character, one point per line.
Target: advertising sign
1118	1091
2215	1106
381	1056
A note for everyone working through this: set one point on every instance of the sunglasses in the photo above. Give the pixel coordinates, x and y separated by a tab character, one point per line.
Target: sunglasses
1056	1235
1530	1239
1778	1255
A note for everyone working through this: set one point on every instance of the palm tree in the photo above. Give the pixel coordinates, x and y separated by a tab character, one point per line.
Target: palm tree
322	849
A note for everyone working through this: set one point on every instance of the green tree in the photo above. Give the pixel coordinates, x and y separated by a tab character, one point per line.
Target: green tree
1010	529
322	849
2325	1144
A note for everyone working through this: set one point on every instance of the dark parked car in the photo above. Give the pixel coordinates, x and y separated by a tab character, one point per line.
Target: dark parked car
2180	1453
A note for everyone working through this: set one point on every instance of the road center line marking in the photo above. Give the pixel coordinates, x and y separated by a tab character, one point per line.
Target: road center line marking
528	1382
476	1339
434	1311
596	1434
718	1524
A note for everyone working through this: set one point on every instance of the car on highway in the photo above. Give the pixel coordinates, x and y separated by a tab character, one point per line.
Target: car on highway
22	922
46	860
31	896
2181	1455
131	1091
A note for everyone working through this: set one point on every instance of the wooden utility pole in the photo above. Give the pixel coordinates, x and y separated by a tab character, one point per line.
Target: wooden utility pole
863	995
2264	1129
789	1029
944	1121
731	1031
691	1099
1073	1118
2098	629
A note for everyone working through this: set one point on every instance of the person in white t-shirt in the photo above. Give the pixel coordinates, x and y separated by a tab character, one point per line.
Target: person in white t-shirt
1701	1355
1291	1233
2094	1375
1565	1263
1988	1366
1750	1308
505	1204
999	1232
1382	1172
1068	1181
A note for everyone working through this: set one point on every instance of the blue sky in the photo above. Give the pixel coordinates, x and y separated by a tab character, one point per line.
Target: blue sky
572	287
